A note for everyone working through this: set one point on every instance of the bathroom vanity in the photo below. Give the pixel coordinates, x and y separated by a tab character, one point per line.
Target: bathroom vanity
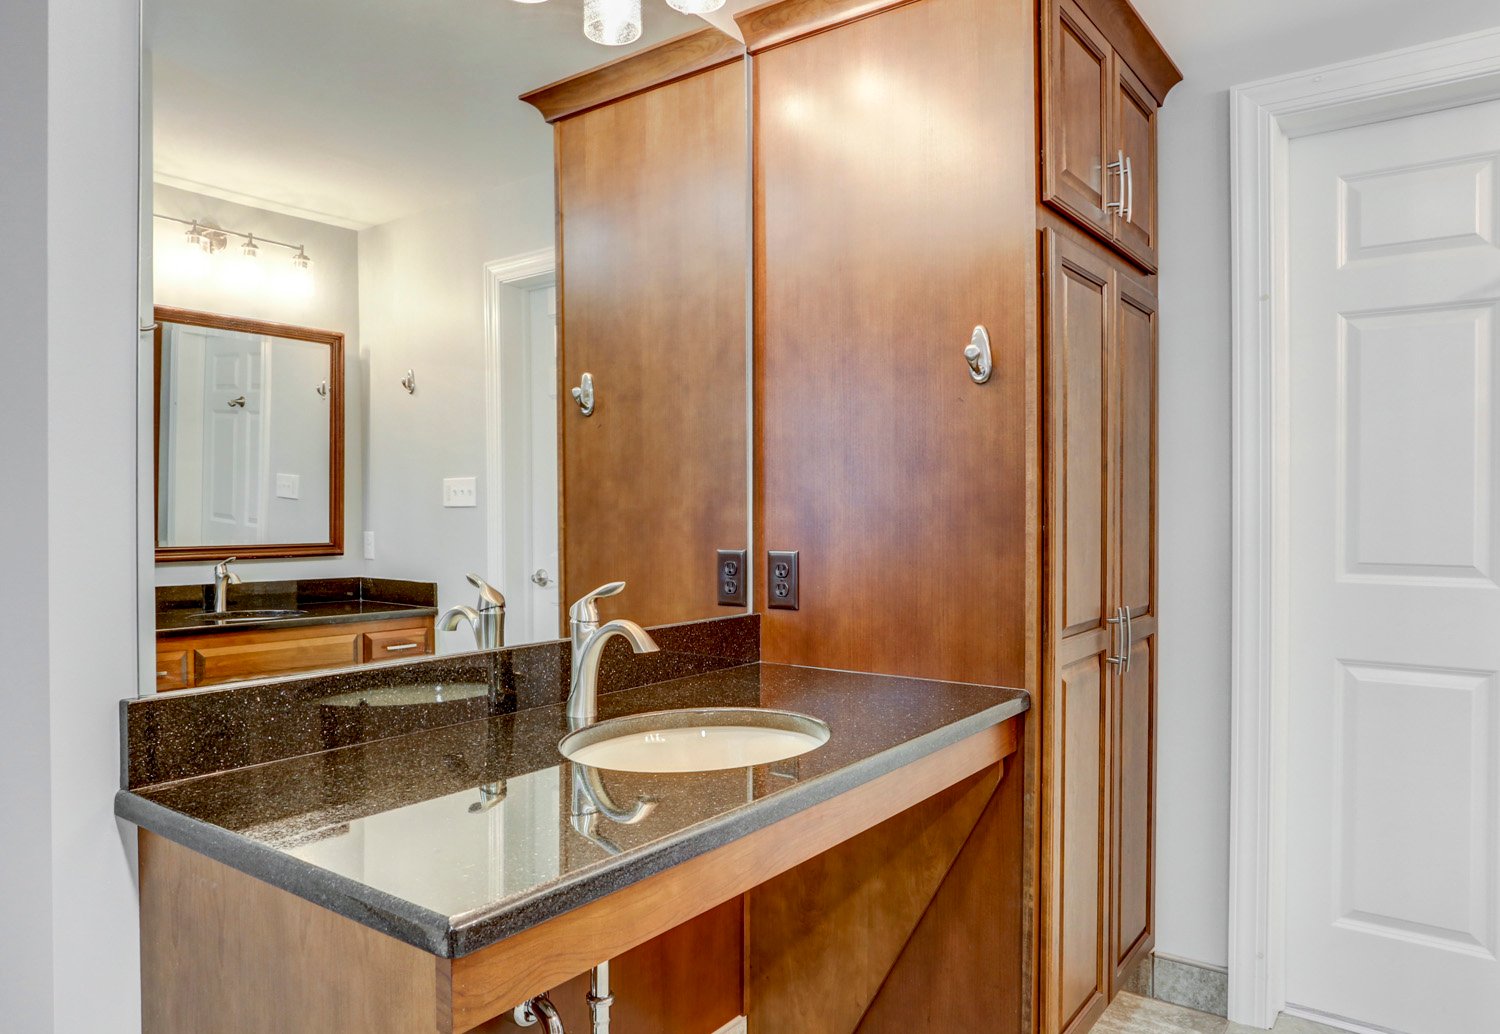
432	879
276	628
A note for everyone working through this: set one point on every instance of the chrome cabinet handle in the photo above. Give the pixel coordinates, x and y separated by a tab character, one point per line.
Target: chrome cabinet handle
1116	168
1120	658
1129	636
398	647
584	395
1129	200
977	355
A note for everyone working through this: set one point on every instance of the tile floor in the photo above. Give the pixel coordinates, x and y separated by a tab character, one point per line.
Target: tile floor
1131	1014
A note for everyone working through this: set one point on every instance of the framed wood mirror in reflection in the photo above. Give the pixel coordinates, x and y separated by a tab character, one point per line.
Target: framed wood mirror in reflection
371	167
249	438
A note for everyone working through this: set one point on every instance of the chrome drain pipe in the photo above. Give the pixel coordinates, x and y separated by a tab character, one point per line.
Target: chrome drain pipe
599	997
539	1009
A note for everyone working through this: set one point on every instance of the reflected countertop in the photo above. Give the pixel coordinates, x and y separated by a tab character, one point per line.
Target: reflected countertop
454	838
183	622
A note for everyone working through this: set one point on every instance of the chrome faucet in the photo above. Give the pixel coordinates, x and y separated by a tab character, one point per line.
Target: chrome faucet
589	640
223	579
487	620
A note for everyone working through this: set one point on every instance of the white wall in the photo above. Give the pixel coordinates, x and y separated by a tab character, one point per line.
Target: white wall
1217	46
190	280
68	68
422	308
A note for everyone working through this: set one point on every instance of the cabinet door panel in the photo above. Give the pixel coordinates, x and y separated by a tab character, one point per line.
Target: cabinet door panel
1135	137
1135	329
260	660
1077	86
1078	322
1076	942
1135	768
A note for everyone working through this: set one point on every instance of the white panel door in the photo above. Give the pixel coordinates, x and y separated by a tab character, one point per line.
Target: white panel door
234	453
1393	908
543	561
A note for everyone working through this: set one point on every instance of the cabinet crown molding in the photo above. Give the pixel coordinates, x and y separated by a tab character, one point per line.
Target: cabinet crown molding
668	61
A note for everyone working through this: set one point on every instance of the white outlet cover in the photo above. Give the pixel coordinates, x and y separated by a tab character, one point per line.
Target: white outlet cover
369	545
288	486
460	492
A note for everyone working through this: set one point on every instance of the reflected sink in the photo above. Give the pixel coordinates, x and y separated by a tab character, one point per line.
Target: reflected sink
408	696
694	740
248	615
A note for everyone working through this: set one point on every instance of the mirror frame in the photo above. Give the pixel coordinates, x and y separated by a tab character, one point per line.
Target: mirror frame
334	546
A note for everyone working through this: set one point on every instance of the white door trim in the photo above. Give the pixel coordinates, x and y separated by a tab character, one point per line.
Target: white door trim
505	281
1264	117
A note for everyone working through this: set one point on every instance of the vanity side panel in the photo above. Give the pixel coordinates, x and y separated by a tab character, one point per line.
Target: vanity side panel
652	194
895	192
224	952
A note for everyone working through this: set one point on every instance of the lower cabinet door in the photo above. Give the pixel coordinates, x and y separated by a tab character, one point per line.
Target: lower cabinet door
213	664
172	670
1076	844
1135	815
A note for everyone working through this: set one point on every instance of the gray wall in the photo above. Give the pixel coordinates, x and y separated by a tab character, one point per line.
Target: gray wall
68	151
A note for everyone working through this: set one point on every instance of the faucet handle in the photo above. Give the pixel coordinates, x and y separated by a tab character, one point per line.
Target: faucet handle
221	569
587	609
488	594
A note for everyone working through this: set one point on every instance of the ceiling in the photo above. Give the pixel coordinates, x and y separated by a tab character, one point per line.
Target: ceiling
358	112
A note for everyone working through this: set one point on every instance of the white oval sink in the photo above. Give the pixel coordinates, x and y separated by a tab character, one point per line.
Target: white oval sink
696	740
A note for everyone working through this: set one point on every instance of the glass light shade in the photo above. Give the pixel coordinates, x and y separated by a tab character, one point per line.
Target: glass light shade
695	6
301	259
612	22
250	249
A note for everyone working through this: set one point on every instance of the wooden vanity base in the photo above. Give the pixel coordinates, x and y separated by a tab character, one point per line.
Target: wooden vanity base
902	898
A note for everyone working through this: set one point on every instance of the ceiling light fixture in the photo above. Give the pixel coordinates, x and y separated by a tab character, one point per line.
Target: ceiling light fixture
613	23
250	249
695	6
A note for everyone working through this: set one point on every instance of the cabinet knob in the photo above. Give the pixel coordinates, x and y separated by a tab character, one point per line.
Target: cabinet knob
977	355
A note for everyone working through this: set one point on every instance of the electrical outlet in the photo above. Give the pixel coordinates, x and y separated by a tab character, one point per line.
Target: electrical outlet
369	545
460	492
734	583
781	579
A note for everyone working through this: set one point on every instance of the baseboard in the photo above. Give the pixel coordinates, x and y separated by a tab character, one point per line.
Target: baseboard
1329	1020
738	1025
1194	985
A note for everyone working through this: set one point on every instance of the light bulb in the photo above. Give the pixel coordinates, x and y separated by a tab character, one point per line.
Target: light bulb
613	23
695	6
250	249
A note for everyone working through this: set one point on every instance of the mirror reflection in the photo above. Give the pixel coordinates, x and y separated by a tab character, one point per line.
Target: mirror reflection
249	427
365	364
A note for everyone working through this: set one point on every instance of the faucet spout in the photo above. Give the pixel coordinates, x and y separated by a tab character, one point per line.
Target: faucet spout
583	696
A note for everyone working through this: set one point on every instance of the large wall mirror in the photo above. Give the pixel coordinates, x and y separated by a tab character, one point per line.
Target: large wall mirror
363	392
249	429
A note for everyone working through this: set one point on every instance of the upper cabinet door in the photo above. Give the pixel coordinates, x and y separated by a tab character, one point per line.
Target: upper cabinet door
1077	94
1135	144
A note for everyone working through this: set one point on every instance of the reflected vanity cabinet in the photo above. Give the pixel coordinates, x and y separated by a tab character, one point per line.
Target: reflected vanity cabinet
1099	679
1102	78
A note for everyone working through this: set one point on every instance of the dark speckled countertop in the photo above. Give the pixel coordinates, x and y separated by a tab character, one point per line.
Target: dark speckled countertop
456	837
181	609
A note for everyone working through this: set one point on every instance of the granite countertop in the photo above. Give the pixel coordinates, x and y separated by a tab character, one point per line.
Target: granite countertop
181	610
182	622
454	838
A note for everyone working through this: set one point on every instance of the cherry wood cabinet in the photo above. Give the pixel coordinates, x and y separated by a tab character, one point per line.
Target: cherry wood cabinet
187	662
1102	79
1098	700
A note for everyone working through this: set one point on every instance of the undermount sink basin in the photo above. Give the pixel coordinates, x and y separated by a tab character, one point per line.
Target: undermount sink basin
695	740
249	615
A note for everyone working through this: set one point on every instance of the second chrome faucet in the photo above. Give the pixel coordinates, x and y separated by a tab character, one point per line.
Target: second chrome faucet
589	640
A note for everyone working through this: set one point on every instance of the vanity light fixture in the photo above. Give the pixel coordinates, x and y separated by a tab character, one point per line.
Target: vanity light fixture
213	239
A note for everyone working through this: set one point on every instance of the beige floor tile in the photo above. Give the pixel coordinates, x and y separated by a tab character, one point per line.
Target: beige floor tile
1131	1014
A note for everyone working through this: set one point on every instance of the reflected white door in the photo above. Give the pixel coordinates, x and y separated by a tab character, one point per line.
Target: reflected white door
233	428
541	373
1393	860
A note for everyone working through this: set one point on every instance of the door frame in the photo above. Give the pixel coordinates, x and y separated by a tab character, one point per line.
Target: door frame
506	282
1265	117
